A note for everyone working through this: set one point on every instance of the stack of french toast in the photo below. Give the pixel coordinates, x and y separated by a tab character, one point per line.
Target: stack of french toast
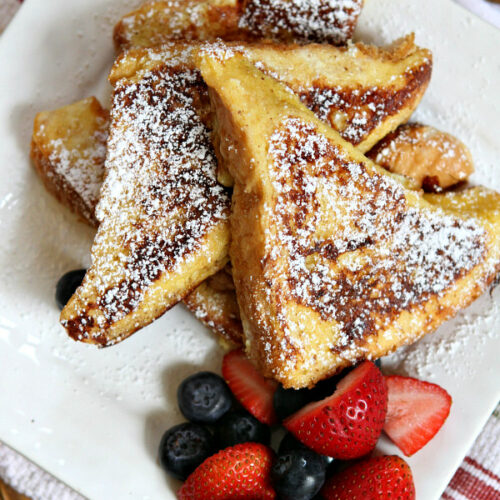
257	164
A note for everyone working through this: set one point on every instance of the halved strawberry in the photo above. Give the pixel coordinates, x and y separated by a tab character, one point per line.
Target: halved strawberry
239	472
377	478
348	423
415	412
250	388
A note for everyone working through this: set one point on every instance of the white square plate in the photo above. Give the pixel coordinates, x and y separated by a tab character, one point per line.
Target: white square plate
93	418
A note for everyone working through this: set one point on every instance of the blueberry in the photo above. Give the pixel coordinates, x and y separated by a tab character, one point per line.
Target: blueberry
204	397
240	427
298	475
378	362
67	285
288	401
290	443
184	447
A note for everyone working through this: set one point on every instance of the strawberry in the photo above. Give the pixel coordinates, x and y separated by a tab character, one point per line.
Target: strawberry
239	472
250	388
348	423
416	411
372	479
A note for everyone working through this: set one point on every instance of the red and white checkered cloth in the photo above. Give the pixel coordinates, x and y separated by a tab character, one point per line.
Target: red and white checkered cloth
478	478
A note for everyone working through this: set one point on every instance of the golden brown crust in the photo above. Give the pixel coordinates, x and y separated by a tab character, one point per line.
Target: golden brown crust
333	260
214	304
157	22
361	91
436	160
68	149
8	493
163	217
58	186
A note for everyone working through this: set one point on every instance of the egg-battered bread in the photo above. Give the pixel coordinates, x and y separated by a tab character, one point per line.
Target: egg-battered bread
214	304
157	22
333	259
362	91
163	216
436	160
68	149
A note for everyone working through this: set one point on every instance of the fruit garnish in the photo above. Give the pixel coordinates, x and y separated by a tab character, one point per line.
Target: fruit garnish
377	478
348	423
204	397
291	443
67	285
241	472
298	474
240	427
416	411
249	387
183	448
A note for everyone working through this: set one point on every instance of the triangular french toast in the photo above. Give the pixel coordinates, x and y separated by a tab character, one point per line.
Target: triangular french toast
163	216
161	187
333	259
157	22
68	150
362	91
325	21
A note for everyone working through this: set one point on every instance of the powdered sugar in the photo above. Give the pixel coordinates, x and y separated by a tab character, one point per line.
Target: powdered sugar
360	112
408	254
82	169
466	338
160	199
178	19
156	22
313	20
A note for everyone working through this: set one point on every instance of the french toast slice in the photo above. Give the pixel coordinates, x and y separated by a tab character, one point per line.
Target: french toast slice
362	91
163	216
333	260
68	149
477	202
78	152
157	22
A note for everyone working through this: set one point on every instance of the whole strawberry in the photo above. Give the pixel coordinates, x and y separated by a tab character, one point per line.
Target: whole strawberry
372	479
241	472
348	423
